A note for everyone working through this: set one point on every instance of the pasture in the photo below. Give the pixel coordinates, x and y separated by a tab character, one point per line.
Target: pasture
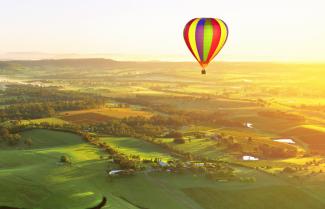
53	185
92	116
133	146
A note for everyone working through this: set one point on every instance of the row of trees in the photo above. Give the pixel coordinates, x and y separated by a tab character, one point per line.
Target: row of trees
155	126
28	102
124	161
184	116
16	93
269	151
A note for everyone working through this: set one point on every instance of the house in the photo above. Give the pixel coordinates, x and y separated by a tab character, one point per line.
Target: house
198	164
115	172
248	125
286	141
162	164
121	172
247	157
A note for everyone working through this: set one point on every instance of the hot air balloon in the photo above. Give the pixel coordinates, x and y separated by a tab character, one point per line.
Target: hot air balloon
205	37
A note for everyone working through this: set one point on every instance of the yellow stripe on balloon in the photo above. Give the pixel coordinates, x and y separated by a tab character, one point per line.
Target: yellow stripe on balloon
192	40
223	37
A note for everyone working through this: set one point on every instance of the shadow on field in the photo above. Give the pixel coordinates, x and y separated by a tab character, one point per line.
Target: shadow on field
99	206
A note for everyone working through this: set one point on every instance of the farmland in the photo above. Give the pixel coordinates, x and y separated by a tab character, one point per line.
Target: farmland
132	146
101	115
62	133
41	169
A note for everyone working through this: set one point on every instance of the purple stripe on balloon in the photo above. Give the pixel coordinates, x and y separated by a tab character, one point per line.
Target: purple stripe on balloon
199	36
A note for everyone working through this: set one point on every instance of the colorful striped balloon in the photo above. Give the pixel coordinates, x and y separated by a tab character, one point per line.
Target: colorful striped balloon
205	37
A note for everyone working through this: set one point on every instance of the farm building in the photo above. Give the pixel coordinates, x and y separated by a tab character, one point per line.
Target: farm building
247	157
114	172
248	125
162	164
286	141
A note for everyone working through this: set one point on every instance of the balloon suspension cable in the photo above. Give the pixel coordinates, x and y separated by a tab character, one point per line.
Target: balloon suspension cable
203	72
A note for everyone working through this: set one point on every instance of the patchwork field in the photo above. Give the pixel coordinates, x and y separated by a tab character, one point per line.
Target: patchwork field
92	116
84	182
223	102
51	184
77	186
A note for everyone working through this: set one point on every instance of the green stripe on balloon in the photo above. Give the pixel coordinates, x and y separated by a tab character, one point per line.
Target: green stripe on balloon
207	40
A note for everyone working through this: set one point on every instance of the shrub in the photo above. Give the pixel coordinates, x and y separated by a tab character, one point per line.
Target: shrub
64	159
179	141
288	170
174	134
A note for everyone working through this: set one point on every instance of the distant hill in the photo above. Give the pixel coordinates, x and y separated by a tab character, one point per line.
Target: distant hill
40	68
37	68
312	135
60	63
102	67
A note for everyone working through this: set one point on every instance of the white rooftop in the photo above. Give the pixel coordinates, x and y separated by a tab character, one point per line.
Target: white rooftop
287	141
113	172
247	157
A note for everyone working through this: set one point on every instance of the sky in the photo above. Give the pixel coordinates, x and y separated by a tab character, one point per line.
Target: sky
259	30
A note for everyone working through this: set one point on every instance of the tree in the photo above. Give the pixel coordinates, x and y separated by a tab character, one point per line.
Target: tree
174	134
4	133
29	142
288	170
249	140
179	141
65	159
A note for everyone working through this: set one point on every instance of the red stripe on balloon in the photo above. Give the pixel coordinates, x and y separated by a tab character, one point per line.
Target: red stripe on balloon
186	38
215	38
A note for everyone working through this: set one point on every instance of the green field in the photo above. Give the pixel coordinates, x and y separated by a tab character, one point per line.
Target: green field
32	177
132	146
52	185
264	197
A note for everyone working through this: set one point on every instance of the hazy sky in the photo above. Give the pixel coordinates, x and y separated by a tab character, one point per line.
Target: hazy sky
277	30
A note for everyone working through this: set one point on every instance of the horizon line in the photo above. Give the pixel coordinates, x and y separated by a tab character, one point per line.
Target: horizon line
36	56
170	61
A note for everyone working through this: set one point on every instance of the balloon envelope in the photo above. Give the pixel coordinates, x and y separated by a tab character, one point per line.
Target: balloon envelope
205	37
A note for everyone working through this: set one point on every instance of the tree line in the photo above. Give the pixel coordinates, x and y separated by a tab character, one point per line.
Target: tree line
187	117
29	102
